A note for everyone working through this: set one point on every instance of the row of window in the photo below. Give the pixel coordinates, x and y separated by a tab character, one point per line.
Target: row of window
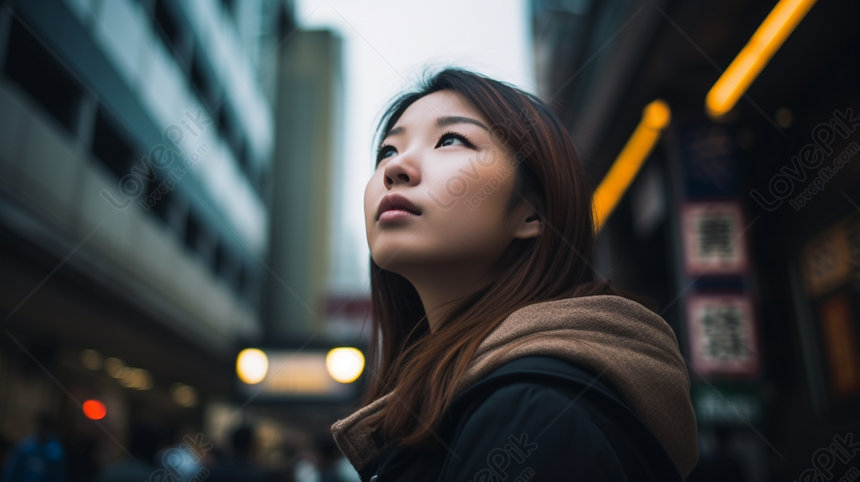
179	40
35	70
175	211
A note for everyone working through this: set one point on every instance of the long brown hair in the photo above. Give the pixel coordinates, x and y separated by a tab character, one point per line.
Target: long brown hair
424	367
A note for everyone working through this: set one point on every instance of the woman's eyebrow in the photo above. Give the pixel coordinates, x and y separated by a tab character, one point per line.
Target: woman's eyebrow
455	119
442	122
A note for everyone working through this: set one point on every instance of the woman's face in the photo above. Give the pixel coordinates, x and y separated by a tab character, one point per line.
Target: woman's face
438	195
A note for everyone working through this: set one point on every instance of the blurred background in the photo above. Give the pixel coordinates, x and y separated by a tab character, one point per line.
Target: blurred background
182	254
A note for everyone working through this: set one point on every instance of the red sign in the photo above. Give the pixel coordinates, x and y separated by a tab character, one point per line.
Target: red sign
348	317
714	237
722	335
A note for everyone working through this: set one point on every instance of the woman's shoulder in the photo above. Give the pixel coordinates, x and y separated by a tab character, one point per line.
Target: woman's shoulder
522	426
538	370
524	408
524	390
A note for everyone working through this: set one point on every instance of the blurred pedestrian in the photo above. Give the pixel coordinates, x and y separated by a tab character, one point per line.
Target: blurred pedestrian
240	465
82	455
38	457
178	463
307	466
143	443
334	466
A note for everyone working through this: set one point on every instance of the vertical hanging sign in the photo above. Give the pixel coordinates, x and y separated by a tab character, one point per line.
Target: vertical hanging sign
720	314
722	335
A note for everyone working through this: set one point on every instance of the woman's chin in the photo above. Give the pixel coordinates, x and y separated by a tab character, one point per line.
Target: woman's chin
394	262
403	261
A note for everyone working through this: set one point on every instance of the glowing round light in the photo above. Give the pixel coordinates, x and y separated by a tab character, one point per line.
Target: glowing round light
91	359
115	367
94	409
252	365
344	364
184	395
656	115
136	378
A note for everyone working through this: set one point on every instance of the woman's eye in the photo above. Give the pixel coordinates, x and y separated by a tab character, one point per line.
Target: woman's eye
447	139
384	151
451	139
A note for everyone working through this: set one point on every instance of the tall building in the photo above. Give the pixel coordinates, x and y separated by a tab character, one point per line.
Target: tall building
309	132
311	292
742	229
136	146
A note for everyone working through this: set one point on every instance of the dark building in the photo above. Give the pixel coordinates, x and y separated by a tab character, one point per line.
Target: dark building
743	231
136	138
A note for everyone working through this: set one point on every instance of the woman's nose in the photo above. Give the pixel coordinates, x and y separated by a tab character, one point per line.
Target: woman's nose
401	171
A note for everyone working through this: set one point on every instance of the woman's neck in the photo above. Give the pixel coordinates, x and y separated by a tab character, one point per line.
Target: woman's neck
441	290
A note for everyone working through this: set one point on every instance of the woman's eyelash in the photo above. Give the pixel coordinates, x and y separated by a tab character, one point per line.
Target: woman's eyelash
454	134
380	150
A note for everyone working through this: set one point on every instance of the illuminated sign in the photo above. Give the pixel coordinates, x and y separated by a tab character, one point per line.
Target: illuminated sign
714	238
655	117
330	374
726	403
840	346
722	335
826	260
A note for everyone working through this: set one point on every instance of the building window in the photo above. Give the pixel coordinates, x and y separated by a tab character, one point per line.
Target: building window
232	136
167	26
200	239
110	146
201	83
192	227
35	69
169	207
227	265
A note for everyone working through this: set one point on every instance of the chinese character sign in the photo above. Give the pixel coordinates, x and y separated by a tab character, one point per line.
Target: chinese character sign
714	238
722	335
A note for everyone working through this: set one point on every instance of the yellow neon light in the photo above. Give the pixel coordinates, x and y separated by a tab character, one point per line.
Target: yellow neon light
655	117
766	40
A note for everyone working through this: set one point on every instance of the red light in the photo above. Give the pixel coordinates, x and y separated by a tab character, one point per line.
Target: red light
94	409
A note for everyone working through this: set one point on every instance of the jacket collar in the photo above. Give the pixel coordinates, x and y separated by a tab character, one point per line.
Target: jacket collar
633	347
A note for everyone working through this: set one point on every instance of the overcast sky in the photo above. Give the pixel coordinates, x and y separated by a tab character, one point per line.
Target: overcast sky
386	45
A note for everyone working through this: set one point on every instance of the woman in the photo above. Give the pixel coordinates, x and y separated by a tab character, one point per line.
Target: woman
500	356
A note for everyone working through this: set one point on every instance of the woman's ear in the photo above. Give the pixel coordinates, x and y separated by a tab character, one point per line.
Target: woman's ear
528	223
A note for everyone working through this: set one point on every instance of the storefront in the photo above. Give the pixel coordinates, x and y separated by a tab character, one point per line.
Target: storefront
95	364
743	231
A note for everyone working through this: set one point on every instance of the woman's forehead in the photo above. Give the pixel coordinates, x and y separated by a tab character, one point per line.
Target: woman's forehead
442	103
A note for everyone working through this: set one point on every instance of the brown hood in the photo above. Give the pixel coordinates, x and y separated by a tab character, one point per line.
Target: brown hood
634	349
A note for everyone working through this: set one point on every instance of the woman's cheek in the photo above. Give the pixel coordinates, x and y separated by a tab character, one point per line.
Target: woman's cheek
372	191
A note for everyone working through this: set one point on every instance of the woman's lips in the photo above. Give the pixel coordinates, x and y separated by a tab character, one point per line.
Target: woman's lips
396	201
396	215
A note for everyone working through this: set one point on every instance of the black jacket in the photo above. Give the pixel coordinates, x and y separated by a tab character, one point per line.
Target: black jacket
537	418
